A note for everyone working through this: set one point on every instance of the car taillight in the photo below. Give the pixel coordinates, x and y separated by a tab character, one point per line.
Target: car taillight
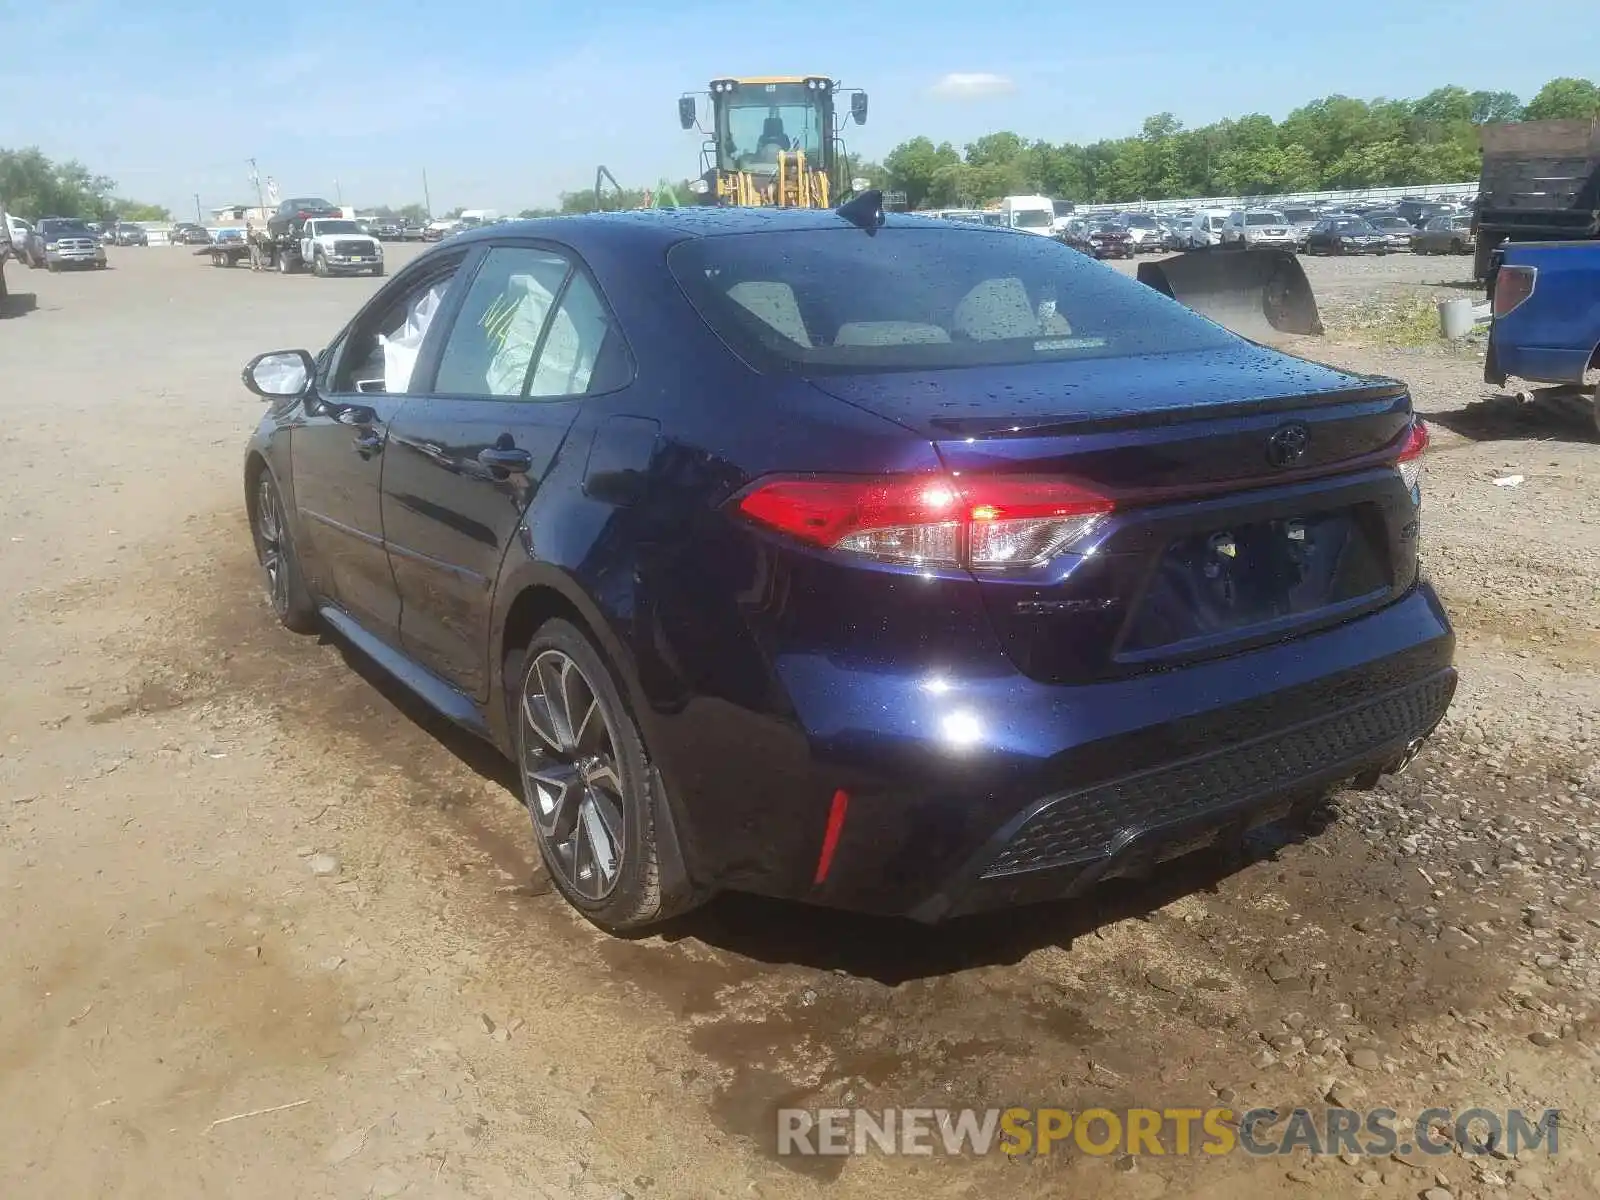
1513	285
986	522
1409	460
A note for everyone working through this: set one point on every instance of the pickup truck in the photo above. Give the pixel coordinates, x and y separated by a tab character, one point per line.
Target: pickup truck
1546	308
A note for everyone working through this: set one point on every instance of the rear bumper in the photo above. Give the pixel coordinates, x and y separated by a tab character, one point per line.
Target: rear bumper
1066	843
997	790
1537	364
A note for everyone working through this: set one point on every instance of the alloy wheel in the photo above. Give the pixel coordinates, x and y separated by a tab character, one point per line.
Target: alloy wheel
571	775
270	543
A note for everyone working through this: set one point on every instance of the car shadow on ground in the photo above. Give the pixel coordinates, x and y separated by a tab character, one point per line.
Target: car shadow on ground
888	950
475	753
892	951
1566	414
18	304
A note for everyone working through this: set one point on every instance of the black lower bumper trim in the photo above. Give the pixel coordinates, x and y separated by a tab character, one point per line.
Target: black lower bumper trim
1099	822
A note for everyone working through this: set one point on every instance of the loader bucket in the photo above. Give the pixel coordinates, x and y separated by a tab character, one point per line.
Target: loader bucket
1252	292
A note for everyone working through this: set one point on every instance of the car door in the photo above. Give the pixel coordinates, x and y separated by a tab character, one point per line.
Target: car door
529	338
339	449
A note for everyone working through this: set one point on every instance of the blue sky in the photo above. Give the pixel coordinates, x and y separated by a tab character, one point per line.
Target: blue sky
506	104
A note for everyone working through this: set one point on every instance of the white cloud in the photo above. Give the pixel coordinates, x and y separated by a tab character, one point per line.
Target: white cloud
972	85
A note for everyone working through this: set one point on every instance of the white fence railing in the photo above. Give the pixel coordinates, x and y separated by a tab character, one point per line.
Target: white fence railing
1345	196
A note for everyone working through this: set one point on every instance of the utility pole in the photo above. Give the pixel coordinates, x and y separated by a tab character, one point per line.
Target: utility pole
427	204
255	178
198	219
338	194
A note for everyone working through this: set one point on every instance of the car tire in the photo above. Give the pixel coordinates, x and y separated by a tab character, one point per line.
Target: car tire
1456	247
587	780
283	263
280	563
319	266
377	270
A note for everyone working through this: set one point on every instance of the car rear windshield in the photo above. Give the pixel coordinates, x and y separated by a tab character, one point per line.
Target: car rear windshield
842	300
1264	218
1030	218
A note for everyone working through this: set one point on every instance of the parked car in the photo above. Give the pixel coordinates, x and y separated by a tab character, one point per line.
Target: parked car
1203	229
186	233
1445	235
1258	227
58	242
412	231
1396	229
128	233
1346	234
749	611
1419	212
1144	231
1111	239
1301	221
1074	233
387	231
293	213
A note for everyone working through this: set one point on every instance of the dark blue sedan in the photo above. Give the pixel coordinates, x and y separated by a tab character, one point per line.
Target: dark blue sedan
912	567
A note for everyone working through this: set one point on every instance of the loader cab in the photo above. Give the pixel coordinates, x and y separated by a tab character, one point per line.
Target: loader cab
773	140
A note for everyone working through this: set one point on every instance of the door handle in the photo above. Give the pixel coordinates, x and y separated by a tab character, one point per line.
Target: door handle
506	458
367	443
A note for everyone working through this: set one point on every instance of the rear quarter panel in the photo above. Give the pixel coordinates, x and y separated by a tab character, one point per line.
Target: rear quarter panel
1552	336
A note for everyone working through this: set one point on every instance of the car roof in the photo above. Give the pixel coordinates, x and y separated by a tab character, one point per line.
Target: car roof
664	226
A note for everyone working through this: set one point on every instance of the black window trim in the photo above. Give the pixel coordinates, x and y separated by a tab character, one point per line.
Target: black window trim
427	368
421	273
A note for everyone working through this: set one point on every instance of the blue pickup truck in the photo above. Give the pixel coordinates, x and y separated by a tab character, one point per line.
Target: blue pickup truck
1546	313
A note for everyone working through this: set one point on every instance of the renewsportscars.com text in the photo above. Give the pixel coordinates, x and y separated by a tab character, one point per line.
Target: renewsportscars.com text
1373	1132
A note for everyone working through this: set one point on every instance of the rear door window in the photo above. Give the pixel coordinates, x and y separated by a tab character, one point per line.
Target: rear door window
531	326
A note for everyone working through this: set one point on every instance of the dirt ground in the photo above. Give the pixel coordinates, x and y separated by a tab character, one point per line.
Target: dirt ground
242	874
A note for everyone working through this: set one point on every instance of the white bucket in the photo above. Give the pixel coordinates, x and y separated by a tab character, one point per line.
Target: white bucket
1455	318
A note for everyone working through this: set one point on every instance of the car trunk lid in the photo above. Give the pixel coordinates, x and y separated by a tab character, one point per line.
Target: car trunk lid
1271	508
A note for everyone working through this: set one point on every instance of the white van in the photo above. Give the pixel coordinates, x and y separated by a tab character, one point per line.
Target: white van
1204	228
1034	214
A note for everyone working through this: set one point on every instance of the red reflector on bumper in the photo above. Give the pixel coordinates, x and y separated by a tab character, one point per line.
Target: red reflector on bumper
830	835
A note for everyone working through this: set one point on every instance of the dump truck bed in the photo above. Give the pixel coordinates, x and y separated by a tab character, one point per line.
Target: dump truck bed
1540	182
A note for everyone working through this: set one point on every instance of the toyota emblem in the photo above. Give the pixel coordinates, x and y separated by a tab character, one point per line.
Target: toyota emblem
1287	445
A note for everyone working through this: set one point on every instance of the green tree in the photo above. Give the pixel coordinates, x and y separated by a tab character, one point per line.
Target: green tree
1443	105
913	165
1565	97
1495	106
32	185
994	149
132	210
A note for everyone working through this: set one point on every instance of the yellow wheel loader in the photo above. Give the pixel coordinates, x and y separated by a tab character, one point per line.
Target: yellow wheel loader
772	140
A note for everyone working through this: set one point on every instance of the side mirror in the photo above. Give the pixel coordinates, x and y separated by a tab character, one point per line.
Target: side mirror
280	374
858	108
686	111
